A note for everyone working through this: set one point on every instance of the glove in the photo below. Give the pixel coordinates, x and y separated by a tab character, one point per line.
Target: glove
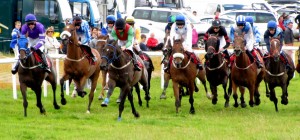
32	48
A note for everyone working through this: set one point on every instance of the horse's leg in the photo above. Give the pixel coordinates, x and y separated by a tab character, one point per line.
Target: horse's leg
201	77
226	95
191	100
267	90
62	95
38	93
235	95
144	83
111	87
242	90
51	78
229	90
138	92
130	98
80	86
23	89
125	90
273	96
103	73
284	97
256	96
166	83
176	95
214	92
94	79
195	85
251	92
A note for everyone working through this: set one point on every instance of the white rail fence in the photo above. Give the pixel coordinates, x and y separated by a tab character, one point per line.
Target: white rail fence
290	49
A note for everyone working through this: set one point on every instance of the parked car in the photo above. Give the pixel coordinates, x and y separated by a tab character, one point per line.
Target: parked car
261	18
205	23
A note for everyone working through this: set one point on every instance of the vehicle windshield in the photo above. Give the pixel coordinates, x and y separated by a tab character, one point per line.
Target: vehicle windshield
257	16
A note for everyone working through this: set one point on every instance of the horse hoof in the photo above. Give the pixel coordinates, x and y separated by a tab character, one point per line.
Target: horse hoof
209	96
243	105
56	106
119	118
88	112
147	98
100	97
257	102
192	111
268	95
214	101
136	115
63	101
104	104
236	105
163	96
226	105
284	102
118	101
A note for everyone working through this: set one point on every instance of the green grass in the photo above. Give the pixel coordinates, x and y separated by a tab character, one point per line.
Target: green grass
157	122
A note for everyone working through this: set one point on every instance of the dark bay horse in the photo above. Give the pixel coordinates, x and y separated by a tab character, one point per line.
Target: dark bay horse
277	74
121	74
244	73
217	71
298	65
32	75
183	72
167	50
77	66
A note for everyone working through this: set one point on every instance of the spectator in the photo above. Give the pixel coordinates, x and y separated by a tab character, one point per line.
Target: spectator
286	19
195	13
297	20
95	32
51	43
15	34
143	43
194	37
280	21
288	34
152	43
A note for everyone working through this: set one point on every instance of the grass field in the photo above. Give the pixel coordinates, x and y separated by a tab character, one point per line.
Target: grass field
157	122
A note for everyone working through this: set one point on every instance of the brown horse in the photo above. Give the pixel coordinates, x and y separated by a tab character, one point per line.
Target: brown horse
121	74
183	72
101	42
244	73
77	65
217	71
32	75
167	50
277	74
298	65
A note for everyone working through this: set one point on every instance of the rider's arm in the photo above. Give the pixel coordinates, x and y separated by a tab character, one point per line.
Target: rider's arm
189	37
87	34
172	33
224	33
267	38
41	41
256	34
249	36
130	37
114	34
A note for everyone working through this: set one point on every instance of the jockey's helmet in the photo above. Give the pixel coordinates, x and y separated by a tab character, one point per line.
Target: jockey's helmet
120	24
130	20
250	20
30	18
240	20
180	20
77	21
171	19
272	24
110	19
216	23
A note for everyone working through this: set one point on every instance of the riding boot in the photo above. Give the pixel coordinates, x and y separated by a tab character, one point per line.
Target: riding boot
250	56
258	63
135	63
227	57
285	61
195	58
89	50
15	68
45	64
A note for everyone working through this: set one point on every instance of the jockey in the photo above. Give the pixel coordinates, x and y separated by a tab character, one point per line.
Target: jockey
183	29
124	34
110	20
244	28
35	33
275	32
136	33
171	20
220	31
256	33
84	35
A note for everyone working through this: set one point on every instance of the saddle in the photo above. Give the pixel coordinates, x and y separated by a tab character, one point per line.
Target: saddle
129	53
40	60
86	52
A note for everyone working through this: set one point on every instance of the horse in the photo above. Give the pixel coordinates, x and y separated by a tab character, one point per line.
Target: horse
276	73
101	42
183	73
217	71
244	73
77	65
32	75
167	49
298	65
121	74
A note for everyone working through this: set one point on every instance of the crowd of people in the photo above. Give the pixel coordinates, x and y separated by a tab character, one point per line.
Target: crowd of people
128	34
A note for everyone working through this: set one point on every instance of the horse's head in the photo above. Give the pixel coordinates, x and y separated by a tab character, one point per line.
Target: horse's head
101	42
239	44
212	46
23	48
110	52
178	52
167	49
69	35
275	49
